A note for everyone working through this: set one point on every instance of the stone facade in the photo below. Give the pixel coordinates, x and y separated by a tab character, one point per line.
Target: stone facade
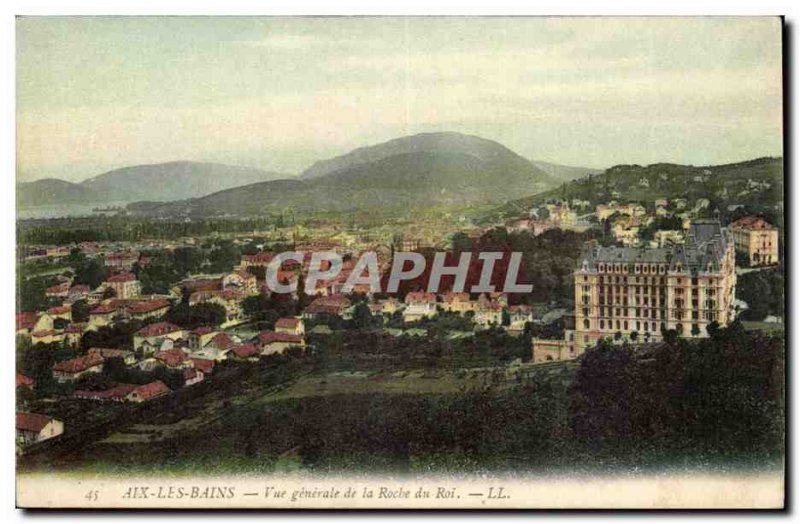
642	291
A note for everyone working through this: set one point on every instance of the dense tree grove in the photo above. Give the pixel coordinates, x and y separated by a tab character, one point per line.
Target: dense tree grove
710	403
717	400
31	293
131	229
763	291
548	263
190	317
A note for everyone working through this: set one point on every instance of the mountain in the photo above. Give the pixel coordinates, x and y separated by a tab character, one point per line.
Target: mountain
564	173
52	191
155	182
174	180
448	143
415	171
755	184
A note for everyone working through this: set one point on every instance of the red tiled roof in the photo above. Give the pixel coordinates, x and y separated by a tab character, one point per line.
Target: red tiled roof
75	328
221	341
287	322
23	381
109	352
171	357
752	223
59	310
246	350
205	284
203	364
120	391
332	305
455	297
104	309
158	329
76	365
203	330
261	258
147	306
522	308
122	277
190	373
58	288
152	390
420	296
326	309
27	319
269	337
32	421
80	289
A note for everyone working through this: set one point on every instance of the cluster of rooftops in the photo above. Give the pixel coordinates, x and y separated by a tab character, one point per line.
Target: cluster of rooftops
705	248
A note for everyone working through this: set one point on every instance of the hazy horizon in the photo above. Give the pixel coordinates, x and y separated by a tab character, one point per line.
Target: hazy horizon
99	93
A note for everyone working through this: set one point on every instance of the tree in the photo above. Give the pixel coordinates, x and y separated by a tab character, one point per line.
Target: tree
742	260
605	395
713	329
118	336
162	273
634	335
80	311
90	272
542	213
223	256
190	317
31	294
670	336
260	272
186	260
461	242
362	316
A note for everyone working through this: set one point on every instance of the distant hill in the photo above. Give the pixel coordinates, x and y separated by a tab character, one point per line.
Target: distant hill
481	150
52	191
156	182
562	173
755	184
408	172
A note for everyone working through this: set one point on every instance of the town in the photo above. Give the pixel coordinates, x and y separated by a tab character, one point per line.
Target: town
126	323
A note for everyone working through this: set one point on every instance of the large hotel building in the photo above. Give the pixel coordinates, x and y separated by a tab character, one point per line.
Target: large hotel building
757	239
624	290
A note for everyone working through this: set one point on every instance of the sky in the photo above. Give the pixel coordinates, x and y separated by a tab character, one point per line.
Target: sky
98	93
